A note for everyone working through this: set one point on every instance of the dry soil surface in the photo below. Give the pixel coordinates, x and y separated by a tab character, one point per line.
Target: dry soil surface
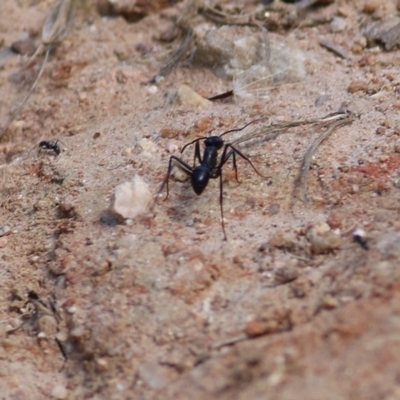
160	306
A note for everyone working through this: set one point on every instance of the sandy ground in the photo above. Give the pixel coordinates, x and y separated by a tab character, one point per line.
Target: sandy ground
161	307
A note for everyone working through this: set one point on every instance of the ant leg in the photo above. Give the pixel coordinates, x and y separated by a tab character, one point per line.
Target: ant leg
235	166
193	141
240	154
197	154
221	206
224	159
182	165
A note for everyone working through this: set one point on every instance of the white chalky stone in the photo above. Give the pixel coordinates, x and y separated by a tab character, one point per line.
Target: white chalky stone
131	198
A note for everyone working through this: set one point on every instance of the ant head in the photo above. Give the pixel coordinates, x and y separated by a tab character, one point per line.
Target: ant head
214	141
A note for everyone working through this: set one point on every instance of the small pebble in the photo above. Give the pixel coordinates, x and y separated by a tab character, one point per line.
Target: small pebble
286	274
338	24
172	146
258	328
322	229
131	199
128	151
25	47
78	333
282	240
357	86
61	336
66	209
153	89
383	158
370	6
59	392
146	144
329	302
72	310
168	133
4	230
180	175
101	365
188	97
388	123
334	221
102	268
354	189
323	241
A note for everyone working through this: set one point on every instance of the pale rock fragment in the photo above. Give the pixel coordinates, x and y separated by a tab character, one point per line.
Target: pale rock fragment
59	392
323	240
188	97
131	199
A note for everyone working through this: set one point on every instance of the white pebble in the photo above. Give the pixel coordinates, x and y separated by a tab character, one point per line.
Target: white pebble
172	146
131	198
153	89
59	392
146	144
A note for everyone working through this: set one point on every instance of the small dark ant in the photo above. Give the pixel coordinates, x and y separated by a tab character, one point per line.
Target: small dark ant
45	145
208	167
359	237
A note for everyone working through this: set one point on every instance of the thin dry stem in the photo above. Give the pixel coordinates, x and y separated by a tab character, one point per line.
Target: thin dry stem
301	181
54	31
272	131
33	87
56	26
177	55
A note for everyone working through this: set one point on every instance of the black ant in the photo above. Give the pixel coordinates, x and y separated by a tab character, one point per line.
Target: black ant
360	238
45	145
208	167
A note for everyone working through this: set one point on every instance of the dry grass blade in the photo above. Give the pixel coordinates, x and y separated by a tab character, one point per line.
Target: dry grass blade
301	181
33	87
333	121
184	24
176	56
56	26
54	31
272	131
58	22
